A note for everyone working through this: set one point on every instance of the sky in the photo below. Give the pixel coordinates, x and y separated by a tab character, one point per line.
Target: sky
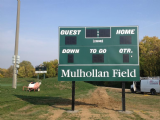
40	19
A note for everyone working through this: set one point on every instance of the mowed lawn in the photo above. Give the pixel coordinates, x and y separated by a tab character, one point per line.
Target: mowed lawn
54	99
52	92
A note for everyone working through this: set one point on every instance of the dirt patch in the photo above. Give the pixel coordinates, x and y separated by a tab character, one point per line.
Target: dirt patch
99	105
56	114
4	106
85	114
25	108
100	99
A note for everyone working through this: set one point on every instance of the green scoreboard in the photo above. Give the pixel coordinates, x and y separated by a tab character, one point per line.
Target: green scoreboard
98	54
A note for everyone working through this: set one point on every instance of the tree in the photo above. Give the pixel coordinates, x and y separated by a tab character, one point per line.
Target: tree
9	72
149	52
3	72
21	72
1	76
26	69
52	68
55	65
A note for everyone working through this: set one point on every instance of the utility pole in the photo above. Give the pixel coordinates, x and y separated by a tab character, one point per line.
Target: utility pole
14	85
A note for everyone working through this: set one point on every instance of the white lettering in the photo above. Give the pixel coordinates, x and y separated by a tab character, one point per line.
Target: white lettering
129	31
73	74
122	74
118	73
122	32
128	50
114	72
118	32
93	50
125	50
90	74
70	32
97	41
66	32
62	32
79	32
95	73
102	50
121	50
133	73
106	73
100	74
65	74
132	31
70	51
82	72
75	32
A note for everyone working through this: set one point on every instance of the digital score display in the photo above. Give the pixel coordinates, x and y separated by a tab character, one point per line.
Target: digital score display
97	58
97	33
70	40
125	40
98	54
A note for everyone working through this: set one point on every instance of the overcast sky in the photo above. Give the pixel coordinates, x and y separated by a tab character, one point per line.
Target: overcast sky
40	19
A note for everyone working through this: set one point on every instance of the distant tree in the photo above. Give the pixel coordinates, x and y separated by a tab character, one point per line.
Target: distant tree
21	72
9	72
1	76
26	69
55	65
52	67
3	72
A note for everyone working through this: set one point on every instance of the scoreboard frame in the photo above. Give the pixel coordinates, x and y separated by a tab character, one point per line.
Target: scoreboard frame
91	38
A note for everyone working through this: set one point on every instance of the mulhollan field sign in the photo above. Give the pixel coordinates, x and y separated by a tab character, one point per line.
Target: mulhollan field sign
98	54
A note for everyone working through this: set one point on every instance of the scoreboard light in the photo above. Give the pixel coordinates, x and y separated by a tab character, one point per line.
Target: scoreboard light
98	54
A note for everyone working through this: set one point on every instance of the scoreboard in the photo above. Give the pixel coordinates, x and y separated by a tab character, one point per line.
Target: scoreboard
98	54
40	69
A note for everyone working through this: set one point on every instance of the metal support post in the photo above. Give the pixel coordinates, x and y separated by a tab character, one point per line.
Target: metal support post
73	95
123	96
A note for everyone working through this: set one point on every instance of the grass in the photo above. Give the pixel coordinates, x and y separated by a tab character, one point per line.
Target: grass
151	102
18	104
139	104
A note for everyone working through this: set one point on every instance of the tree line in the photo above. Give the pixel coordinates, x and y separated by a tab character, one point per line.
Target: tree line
149	58
26	70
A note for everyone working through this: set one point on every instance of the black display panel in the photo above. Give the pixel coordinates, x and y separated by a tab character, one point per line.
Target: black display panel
125	40
104	32
70	40
125	58
40	68
98	58
70	58
91	32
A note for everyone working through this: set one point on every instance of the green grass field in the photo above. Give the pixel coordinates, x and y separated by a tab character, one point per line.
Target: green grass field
54	98
52	92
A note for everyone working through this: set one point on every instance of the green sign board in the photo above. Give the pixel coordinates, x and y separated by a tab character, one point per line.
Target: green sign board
98	54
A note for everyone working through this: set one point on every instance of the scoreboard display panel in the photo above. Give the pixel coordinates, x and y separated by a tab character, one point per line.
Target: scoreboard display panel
98	54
